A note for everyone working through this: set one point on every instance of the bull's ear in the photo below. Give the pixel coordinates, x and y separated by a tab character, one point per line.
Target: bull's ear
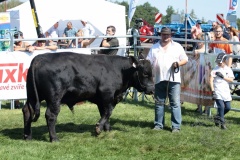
141	56
133	61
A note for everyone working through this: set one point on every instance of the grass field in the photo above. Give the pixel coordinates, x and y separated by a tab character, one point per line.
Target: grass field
131	138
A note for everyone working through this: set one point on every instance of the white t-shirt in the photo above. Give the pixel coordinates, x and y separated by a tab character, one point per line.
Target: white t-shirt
88	30
53	32
221	87
162	61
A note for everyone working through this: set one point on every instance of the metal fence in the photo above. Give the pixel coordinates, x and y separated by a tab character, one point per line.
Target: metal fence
136	47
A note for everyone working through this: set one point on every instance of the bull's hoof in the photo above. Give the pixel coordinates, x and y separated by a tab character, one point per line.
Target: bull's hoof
27	137
98	129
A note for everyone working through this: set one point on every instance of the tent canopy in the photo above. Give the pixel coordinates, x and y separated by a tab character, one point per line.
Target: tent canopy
99	13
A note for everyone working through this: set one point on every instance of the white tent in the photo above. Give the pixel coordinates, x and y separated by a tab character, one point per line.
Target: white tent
99	13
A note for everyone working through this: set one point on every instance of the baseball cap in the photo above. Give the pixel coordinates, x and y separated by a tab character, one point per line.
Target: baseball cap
199	21
221	57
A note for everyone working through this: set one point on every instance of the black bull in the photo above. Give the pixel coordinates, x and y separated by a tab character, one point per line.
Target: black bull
68	78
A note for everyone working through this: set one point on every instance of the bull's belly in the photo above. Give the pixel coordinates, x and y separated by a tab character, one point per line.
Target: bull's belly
71	98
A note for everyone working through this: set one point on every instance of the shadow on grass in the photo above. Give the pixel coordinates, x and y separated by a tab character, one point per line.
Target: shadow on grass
39	132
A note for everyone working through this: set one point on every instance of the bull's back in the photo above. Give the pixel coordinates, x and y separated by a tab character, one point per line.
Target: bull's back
71	74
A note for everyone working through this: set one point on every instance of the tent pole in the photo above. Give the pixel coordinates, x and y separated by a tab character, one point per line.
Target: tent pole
35	17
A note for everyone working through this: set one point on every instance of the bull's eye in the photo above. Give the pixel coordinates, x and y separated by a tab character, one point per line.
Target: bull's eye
145	75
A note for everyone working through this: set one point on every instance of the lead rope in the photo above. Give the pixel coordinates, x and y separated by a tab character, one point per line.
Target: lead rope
172	71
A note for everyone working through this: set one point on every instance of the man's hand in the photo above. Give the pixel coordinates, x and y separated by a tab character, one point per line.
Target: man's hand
175	65
219	74
214	96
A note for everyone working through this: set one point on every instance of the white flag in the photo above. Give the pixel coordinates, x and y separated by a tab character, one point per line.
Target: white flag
132	8
232	7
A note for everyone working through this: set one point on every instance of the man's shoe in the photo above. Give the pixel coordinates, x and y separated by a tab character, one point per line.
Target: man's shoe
175	130
157	128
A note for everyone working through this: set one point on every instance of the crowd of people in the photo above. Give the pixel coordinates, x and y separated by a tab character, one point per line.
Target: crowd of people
69	31
222	74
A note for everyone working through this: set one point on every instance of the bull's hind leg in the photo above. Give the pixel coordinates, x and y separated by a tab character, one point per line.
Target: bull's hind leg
51	117
27	135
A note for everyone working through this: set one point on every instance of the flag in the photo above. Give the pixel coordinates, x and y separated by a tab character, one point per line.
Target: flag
132	8
232	7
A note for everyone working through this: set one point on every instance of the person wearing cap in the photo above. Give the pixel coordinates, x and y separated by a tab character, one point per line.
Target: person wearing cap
166	57
220	77
221	47
195	30
88	30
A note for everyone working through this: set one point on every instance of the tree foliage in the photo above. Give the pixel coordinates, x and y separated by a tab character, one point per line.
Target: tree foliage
9	4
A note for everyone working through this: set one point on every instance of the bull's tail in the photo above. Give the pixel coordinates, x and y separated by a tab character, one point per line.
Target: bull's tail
37	105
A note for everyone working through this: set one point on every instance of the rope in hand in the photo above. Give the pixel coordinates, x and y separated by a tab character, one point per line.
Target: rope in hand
174	69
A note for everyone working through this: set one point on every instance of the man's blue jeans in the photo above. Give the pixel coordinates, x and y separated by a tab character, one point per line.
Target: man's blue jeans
172	89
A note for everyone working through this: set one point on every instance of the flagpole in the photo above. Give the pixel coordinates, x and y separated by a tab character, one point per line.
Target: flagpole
185	25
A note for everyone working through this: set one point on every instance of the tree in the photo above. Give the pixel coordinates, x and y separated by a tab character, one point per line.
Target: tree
9	4
167	17
145	11
193	15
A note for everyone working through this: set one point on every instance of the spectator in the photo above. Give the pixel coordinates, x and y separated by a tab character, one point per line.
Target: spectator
88	30
196	30
233	34
79	34
166	57
21	45
41	45
53	32
69	31
221	47
226	25
220	76
109	42
214	24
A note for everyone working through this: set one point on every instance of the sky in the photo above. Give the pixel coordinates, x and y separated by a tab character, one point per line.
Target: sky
202	8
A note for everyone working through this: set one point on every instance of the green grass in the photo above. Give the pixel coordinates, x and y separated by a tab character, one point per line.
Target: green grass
131	137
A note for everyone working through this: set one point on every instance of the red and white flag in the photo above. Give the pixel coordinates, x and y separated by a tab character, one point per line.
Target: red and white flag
233	4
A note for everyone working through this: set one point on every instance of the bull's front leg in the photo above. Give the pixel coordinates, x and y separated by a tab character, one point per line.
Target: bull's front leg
27	135
103	123
51	118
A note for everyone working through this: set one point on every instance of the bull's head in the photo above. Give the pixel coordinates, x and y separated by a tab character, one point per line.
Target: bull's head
143	77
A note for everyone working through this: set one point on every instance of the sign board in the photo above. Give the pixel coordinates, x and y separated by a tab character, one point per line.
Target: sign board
175	18
4	20
220	18
158	18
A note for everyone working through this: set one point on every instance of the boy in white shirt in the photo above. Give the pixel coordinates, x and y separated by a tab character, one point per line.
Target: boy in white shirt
221	75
